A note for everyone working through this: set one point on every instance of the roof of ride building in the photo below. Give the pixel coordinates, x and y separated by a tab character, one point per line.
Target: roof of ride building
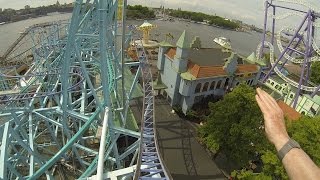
288	111
209	62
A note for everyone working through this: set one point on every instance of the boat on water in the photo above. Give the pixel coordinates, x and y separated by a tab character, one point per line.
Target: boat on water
224	42
2	23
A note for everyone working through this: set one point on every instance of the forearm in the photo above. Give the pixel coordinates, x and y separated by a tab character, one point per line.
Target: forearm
296	162
299	165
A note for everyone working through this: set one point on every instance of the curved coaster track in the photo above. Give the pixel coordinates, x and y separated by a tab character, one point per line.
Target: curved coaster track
68	116
301	47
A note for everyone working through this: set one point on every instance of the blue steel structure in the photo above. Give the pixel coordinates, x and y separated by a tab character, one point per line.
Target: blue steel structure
51	116
150	164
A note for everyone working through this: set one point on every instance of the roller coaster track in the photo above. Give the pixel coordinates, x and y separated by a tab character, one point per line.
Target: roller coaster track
150	164
292	59
301	2
22	96
3	58
279	73
45	127
298	37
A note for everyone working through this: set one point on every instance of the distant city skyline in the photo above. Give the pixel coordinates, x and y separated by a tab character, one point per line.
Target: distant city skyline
20	4
248	11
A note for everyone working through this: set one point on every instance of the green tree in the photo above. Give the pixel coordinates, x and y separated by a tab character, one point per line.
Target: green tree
272	165
306	131
57	4
234	126
249	175
315	72
140	12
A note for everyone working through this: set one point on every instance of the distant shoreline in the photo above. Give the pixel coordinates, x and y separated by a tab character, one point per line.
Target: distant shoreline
33	17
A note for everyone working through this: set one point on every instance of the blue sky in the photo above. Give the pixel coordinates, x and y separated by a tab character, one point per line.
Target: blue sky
249	11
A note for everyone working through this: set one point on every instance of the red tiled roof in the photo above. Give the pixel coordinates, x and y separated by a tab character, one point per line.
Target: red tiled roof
289	112
171	53
209	71
132	54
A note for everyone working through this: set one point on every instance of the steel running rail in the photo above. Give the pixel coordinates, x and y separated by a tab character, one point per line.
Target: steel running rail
150	164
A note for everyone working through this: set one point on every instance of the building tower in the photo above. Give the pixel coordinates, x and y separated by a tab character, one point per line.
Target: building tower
181	57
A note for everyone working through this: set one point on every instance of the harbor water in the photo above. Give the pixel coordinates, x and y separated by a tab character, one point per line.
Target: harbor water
243	43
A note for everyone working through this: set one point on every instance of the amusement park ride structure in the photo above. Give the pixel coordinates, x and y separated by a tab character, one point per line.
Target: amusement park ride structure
301	48
75	96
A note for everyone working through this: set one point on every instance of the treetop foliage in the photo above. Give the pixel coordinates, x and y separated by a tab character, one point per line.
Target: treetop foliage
140	12
234	124
315	73
235	128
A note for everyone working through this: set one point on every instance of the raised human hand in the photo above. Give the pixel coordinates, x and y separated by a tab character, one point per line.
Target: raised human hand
275	127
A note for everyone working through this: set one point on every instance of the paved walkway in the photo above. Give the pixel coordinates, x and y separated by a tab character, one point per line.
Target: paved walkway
183	155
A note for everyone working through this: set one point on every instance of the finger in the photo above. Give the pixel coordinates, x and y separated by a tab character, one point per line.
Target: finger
275	105
270	103
265	97
263	107
270	98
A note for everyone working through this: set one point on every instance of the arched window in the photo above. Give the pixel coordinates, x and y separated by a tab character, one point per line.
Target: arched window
198	88
205	87
219	84
277	86
272	83
226	83
303	113
291	96
213	83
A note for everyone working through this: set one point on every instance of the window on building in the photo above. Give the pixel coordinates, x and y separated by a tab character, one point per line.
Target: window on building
272	83
213	83
303	113
205	87
291	96
219	84
198	88
226	83
277	86
314	112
